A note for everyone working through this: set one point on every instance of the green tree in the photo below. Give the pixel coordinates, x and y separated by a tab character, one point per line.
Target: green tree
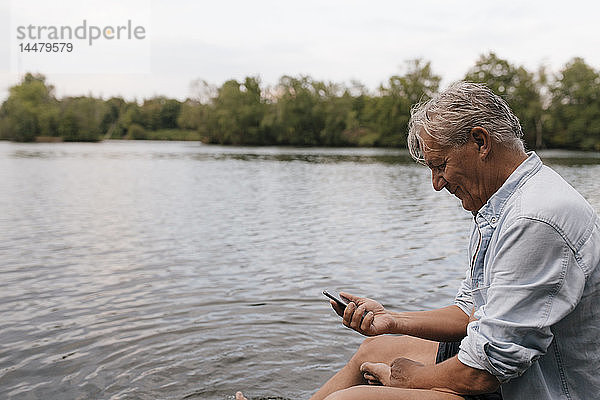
150	113
81	119
339	120
169	113
299	117
235	114
357	130
31	110
191	115
518	87
575	109
130	114
136	132
159	113
389	113
109	125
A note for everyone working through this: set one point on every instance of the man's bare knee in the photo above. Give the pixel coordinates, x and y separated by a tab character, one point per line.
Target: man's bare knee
371	343
387	348
369	347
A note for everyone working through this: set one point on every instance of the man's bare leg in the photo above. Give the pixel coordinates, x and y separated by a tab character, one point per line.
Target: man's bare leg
381	393
390	393
380	349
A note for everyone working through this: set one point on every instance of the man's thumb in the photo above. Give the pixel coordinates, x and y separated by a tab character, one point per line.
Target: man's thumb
380	371
349	296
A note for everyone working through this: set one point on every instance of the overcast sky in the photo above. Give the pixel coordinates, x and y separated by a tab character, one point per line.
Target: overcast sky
336	40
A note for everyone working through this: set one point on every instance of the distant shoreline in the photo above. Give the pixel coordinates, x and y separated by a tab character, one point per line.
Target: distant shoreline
555	110
192	136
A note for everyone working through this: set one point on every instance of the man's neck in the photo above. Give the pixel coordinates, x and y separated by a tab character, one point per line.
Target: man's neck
502	163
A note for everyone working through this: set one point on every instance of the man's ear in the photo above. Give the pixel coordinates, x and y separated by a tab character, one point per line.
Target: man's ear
481	137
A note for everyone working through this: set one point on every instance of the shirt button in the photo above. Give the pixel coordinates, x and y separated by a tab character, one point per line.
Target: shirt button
494	219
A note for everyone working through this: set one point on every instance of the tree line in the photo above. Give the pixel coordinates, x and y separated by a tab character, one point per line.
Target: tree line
557	110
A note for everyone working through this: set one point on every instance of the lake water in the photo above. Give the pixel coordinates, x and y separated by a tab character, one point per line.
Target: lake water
144	270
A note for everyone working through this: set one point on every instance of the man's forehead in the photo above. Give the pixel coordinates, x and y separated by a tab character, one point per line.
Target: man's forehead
430	148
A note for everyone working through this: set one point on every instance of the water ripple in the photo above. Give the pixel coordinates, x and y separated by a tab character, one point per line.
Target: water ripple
182	271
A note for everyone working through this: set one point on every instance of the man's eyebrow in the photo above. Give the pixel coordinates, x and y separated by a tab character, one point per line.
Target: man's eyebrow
430	162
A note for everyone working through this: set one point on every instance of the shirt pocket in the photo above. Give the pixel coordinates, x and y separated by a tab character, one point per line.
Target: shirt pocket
479	295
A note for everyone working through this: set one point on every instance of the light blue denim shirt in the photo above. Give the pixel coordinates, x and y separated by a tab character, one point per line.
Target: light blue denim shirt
534	282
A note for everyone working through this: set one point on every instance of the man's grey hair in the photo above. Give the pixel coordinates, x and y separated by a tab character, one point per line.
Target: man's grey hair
449	116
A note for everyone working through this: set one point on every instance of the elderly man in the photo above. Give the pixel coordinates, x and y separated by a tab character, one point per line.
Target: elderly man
526	320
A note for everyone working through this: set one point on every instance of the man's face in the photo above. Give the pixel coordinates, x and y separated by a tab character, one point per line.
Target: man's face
458	170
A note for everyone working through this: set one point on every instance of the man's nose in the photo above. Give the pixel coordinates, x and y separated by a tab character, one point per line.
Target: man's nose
438	181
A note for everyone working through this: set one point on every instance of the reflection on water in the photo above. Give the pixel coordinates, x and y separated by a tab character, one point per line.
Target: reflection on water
177	270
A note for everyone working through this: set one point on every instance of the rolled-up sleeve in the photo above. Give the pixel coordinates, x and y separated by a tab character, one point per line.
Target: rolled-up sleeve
463	298
534	282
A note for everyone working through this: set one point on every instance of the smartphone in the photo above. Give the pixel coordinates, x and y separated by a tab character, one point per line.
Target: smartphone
341	302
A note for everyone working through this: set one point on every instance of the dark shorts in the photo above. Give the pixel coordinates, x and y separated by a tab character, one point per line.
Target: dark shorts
448	350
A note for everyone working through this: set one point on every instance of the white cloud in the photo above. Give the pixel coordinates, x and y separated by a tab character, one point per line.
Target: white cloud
338	40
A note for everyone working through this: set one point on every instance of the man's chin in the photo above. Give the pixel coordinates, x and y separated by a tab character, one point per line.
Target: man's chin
467	206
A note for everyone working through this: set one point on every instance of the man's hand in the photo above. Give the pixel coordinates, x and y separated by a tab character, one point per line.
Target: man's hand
365	316
450	376
402	372
399	374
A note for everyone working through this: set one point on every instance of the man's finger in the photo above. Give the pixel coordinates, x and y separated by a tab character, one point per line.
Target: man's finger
367	321
357	318
348	314
380	371
339	311
349	296
372	380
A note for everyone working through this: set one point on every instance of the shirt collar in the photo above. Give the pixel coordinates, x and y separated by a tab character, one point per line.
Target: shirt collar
492	210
